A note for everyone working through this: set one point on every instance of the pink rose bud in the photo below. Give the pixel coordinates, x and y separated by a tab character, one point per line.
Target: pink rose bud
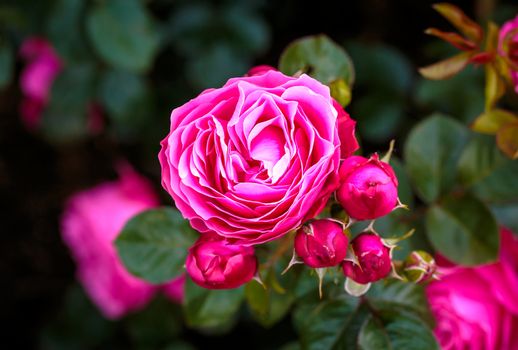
419	267
258	70
321	243
372	256
368	187
215	263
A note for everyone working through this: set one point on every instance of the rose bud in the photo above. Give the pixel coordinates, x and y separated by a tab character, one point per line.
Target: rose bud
419	267
372	259
368	187
215	263
258	70
321	243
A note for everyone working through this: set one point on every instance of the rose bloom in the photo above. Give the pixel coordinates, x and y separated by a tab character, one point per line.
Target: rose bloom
477	307
91	222
254	159
508	47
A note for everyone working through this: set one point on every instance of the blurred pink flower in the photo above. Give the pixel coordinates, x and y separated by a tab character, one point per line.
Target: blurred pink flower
477	307
508	47
91	221
43	66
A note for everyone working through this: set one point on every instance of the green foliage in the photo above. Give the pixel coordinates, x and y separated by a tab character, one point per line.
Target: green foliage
463	229
211	310
123	34
431	154
387	76
487	172
6	63
385	319
66	116
153	245
319	57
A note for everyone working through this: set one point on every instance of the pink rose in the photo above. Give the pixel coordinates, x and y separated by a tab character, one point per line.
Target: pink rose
373	259
43	65
215	263
368	187
254	159
477	307
91	221
321	243
508	47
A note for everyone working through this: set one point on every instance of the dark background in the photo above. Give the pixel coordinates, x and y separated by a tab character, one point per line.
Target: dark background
36	176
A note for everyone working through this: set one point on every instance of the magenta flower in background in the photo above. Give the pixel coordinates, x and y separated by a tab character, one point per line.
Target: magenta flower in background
90	223
254	159
508	47
477	307
42	66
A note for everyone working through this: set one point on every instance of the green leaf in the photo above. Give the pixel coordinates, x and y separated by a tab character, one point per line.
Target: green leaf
319	57
460	96
506	215
381	68
127	100
156	324
153	245
464	230
123	34
77	325
66	116
373	335
211	309
65	30
487	172
431	153
379	117
388	317
399	329
269	305
6	63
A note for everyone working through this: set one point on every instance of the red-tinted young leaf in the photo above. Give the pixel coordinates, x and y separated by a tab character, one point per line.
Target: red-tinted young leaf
510	49
482	58
462	22
447	68
453	38
507	139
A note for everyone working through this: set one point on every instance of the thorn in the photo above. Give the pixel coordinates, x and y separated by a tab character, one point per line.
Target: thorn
386	157
294	260
258	279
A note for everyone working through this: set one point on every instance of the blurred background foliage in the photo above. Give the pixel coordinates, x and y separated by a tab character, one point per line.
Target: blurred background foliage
138	59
